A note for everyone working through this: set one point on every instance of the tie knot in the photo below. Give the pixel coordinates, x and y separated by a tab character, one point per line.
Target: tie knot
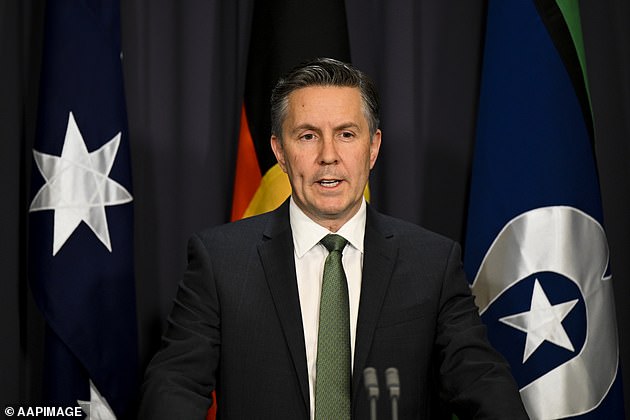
334	242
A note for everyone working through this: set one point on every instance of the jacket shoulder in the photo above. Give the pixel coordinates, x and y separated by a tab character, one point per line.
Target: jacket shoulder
406	232
240	232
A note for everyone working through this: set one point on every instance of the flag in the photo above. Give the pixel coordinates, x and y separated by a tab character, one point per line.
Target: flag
80	215
535	248
283	35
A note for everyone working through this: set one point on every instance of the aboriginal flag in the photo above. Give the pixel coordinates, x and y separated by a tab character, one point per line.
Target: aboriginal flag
535	244
80	215
284	33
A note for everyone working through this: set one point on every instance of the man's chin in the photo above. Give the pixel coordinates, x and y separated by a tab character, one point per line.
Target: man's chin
331	209
337	211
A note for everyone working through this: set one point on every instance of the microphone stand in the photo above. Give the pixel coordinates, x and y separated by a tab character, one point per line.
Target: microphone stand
393	385
371	386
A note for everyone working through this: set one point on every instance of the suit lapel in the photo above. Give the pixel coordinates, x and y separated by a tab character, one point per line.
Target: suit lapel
276	254
378	264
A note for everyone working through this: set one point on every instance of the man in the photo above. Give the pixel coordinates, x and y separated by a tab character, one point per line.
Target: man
281	322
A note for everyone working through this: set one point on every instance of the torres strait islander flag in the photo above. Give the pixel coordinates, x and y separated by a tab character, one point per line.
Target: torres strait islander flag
80	216
535	245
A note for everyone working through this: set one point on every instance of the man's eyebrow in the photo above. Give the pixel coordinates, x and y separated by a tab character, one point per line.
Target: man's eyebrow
303	127
347	125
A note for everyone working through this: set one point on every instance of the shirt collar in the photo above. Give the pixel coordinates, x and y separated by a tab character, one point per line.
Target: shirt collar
307	233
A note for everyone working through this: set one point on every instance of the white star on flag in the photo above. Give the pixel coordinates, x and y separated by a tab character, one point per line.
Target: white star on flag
543	322
97	408
78	186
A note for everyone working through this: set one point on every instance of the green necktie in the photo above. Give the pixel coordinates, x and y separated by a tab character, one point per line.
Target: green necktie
332	388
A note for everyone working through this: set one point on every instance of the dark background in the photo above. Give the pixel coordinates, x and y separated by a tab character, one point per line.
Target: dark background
184	65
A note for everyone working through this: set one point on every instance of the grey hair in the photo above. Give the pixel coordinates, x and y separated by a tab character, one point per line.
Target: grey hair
323	72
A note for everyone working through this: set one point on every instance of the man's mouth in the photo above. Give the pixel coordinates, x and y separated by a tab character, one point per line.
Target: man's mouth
329	183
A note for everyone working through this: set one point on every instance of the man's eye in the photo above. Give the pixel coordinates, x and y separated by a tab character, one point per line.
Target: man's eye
308	136
347	134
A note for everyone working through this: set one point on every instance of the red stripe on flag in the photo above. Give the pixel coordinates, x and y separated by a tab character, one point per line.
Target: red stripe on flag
248	175
212	411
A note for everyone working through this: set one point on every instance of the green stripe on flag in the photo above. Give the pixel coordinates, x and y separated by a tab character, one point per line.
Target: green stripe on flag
571	12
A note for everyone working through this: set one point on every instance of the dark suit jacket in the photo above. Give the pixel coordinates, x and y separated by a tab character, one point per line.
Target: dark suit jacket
236	327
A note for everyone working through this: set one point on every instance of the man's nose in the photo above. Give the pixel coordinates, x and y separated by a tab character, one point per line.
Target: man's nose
328	151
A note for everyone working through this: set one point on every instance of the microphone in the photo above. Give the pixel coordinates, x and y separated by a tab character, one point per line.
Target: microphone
371	386
393	385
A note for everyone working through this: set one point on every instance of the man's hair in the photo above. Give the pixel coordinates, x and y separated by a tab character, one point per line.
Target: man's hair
323	72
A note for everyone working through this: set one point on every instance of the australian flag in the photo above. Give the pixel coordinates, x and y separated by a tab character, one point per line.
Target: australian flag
536	249
80	214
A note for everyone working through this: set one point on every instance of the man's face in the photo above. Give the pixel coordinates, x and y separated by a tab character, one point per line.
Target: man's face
326	152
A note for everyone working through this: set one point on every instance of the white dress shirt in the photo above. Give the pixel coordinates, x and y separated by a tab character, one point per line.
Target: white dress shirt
310	256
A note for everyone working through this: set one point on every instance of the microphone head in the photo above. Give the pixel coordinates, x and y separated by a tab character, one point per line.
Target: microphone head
371	382
392	381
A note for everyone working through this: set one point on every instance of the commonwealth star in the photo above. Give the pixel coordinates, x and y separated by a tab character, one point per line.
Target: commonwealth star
78	186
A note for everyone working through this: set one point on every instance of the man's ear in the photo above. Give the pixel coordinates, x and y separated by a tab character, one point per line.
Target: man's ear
278	151
375	146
